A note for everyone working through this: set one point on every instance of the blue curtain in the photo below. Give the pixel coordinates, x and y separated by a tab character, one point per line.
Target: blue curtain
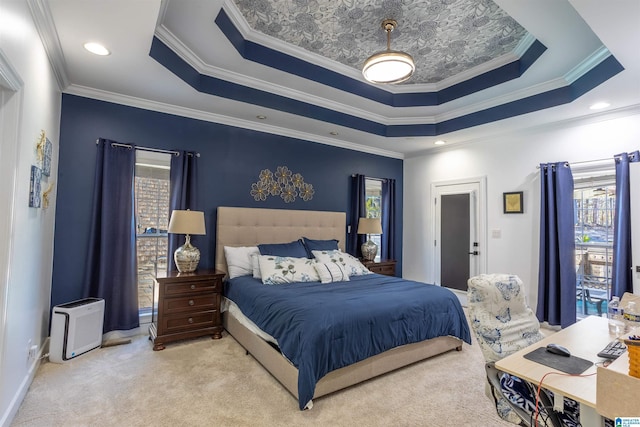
387	249
358	210
622	279
557	274
182	195
111	270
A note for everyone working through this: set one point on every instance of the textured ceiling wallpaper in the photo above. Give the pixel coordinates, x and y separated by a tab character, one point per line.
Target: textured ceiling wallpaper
445	37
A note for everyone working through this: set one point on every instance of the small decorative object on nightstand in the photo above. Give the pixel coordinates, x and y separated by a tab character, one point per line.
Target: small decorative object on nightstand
369	226
186	305
386	267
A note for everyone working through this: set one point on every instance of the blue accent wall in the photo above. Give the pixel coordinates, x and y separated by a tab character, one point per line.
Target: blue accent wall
231	159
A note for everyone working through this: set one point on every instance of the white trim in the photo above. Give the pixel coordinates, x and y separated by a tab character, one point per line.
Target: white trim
11	101
9	77
218	118
44	23
480	191
587	64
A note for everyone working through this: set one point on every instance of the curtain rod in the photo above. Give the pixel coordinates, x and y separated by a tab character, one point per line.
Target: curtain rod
154	150
353	175
612	159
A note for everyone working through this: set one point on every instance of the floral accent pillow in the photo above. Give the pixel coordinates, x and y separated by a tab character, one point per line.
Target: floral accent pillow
276	270
331	272
350	263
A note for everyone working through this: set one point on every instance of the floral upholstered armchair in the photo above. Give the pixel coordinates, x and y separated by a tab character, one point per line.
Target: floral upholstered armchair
504	324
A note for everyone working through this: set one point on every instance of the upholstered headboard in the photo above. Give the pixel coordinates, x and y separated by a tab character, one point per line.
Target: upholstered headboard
251	226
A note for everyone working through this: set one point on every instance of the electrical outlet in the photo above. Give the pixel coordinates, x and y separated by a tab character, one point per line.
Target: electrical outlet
33	352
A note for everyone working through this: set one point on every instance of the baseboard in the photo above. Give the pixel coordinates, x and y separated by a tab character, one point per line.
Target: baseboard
14	406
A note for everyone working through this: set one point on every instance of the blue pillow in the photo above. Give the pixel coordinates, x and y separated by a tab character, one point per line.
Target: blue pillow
293	249
319	245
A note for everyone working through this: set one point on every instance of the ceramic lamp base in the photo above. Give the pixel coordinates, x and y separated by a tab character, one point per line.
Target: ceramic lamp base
369	250
187	257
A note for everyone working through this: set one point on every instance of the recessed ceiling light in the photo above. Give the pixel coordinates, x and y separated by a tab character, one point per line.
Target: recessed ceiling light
599	105
439	142
96	48
261	117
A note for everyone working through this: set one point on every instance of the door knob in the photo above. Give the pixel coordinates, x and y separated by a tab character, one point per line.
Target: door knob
473	253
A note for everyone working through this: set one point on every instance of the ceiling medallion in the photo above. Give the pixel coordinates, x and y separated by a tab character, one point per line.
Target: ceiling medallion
389	66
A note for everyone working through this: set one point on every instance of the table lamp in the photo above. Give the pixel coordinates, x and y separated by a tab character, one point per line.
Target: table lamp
187	222
369	226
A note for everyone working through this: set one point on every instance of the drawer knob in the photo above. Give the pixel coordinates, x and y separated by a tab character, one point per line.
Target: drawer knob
191	302
193	286
190	320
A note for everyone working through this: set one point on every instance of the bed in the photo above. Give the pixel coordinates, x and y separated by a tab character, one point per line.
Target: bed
308	363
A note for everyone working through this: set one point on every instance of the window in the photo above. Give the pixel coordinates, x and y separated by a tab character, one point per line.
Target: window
373	190
152	220
594	201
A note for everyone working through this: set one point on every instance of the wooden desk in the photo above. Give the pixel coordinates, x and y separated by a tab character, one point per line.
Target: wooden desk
583	339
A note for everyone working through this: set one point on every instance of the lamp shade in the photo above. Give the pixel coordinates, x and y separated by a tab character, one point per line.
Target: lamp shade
187	222
369	226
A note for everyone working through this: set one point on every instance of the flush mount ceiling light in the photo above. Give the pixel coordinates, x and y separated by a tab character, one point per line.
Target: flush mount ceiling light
389	66
97	49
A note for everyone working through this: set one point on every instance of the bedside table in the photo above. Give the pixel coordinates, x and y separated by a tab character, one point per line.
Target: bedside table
386	267
186	305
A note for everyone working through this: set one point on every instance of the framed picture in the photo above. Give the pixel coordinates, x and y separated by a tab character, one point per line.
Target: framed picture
34	187
512	202
46	158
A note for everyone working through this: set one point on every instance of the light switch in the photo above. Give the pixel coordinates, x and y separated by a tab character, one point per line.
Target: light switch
496	234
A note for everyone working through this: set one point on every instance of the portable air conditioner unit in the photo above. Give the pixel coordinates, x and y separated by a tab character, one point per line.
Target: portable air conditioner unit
76	328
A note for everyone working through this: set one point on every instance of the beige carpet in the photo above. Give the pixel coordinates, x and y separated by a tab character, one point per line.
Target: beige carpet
206	382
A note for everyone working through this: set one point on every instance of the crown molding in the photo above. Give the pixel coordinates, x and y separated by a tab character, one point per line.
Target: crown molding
617	113
252	35
9	77
46	28
193	60
587	64
146	104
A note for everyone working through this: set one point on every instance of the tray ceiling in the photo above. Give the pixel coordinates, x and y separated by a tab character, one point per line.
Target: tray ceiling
293	67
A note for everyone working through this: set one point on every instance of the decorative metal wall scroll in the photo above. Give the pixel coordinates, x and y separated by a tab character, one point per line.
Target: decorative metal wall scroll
283	183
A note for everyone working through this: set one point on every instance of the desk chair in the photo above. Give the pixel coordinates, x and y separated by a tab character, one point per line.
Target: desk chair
504	324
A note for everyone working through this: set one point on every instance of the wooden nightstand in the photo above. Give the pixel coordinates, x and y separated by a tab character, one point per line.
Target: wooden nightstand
186	305
386	267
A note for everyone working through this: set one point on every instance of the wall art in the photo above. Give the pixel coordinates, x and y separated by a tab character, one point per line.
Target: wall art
34	187
282	183
512	202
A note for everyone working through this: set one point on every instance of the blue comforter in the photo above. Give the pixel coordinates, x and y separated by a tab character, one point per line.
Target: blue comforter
323	327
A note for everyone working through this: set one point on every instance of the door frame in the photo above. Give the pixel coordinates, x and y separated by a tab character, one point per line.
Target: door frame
437	190
11	95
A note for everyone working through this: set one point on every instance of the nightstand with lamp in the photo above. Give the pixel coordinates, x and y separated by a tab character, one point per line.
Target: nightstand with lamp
186	303
369	249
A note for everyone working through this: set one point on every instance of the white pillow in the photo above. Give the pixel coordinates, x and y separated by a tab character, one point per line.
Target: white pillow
350	263
331	272
278	269
239	260
255	263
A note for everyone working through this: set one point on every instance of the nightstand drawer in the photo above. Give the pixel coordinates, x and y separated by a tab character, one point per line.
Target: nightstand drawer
193	303
387	269
190	321
192	286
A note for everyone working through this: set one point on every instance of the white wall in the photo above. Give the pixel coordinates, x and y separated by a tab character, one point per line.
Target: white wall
509	163
26	286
